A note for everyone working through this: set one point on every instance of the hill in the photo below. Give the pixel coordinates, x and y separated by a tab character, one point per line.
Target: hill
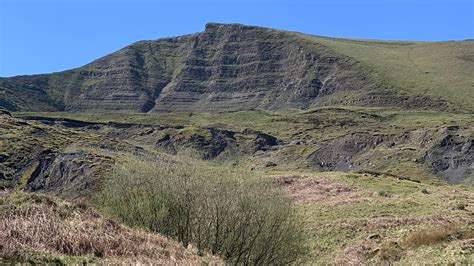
237	67
361	150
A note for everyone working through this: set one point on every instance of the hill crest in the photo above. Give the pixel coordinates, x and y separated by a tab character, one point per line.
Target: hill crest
230	67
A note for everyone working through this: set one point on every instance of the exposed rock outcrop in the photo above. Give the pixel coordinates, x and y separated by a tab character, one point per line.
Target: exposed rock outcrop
453	156
70	174
448	152
236	67
212	142
129	79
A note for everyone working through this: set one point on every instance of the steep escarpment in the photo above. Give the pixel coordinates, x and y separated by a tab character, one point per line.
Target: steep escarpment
226	67
238	67
128	80
235	67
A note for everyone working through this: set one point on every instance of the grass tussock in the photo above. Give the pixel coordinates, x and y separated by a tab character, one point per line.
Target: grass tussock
227	212
39	228
436	235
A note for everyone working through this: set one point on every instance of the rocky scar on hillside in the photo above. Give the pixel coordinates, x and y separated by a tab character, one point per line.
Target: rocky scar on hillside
70	174
448	152
208	142
445	151
226	67
214	141
36	157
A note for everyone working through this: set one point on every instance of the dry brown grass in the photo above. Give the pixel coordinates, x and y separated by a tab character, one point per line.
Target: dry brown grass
429	237
377	223
435	235
38	224
314	189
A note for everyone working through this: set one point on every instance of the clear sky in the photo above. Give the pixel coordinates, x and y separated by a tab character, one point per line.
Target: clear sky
40	36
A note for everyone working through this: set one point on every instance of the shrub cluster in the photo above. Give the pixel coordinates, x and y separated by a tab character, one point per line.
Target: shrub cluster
220	210
42	229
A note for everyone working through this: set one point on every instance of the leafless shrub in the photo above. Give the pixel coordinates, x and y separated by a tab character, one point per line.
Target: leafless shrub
34	224
221	210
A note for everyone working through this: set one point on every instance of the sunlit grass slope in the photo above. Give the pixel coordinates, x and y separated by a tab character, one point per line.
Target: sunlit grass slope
439	70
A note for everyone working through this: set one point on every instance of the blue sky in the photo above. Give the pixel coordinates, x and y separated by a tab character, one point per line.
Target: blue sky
41	36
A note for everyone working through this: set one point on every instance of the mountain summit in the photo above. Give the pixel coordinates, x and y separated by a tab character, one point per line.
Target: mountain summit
236	67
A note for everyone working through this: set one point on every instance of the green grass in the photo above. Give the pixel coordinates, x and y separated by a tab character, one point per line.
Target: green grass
334	228
390	206
319	122
439	70
317	125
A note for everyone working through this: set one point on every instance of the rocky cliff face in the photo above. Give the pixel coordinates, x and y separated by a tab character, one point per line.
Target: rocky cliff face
235	67
226	67
129	79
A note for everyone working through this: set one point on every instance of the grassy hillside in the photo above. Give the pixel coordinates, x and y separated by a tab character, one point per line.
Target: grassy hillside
391	206
362	218
439	70
347	218
405	143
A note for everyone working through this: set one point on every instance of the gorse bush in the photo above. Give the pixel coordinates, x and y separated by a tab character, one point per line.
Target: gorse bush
224	211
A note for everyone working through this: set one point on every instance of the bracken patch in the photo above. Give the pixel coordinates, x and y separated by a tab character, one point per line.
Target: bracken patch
32	224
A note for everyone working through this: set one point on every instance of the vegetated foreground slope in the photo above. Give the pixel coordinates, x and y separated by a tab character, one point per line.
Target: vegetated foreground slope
39	229
360	219
237	67
377	214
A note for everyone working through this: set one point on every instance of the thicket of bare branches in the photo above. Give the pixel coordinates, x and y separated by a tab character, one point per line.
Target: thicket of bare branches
220	210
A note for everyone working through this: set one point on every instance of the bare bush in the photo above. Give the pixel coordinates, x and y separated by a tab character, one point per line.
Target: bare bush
225	211
32	224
